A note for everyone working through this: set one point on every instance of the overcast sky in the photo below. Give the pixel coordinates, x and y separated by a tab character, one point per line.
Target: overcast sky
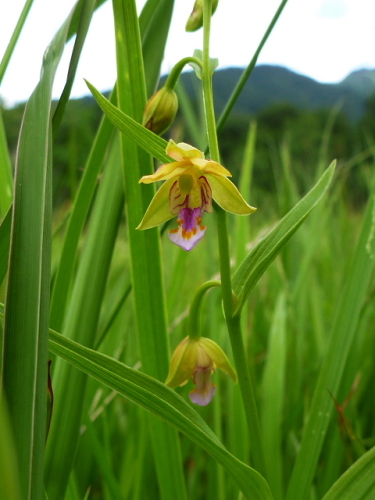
323	39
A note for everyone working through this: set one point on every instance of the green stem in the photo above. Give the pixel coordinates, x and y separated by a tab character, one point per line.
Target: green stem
196	306
177	69
233	322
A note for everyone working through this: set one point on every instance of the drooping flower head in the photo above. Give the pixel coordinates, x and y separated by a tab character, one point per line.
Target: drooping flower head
191	182
197	359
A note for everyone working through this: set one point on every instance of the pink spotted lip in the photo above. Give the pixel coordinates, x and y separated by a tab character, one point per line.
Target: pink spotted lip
190	230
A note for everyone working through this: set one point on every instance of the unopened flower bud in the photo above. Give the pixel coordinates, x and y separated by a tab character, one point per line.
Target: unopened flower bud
195	20
160	111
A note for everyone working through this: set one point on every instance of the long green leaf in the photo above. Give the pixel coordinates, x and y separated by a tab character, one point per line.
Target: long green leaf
158	399
273	388
77	220
81	317
150	142
81	324
83	26
73	28
154	35
27	301
258	260
9	478
145	252
6	176
5	244
358	482
331	372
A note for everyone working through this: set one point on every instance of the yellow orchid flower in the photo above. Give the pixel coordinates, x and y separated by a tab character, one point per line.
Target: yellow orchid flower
197	358
190	184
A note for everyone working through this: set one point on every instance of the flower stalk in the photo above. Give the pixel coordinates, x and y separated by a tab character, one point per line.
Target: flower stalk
196	306
198	357
174	75
233	322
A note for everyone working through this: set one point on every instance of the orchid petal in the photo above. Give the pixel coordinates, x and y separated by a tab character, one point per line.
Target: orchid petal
225	193
218	356
211	167
164	172
158	211
182	150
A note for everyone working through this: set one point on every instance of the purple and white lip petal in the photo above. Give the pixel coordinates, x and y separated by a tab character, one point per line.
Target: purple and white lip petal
205	389
190	230
202	398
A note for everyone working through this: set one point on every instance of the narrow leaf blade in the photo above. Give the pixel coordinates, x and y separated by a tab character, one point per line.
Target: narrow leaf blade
262	255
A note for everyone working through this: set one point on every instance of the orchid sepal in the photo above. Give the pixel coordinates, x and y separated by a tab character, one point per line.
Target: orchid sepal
225	193
158	210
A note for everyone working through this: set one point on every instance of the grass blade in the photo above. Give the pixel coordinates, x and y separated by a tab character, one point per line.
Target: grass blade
9	479
76	222
273	388
266	250
343	330
13	41
6	176
27	300
83	27
81	324
5	244
358	482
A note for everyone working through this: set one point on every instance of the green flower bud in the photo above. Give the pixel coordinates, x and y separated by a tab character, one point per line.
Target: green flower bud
195	20
160	111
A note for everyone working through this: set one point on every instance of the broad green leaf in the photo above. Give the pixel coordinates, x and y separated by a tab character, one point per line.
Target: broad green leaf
358	482
258	260
158	399
147	277
4	244
143	137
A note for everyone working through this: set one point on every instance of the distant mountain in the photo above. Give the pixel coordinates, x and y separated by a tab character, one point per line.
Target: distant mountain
361	81
270	84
